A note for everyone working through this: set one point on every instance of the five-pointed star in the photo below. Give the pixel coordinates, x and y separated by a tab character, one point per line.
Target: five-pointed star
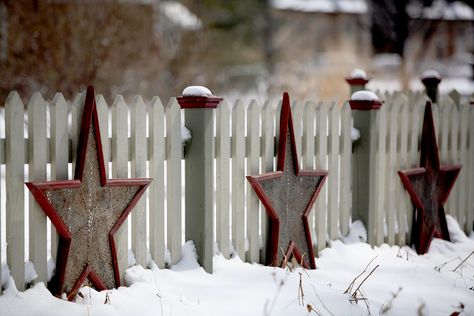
429	187
86	213
288	195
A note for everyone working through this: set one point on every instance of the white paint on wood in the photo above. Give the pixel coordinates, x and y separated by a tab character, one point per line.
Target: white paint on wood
390	213
345	167
308	151
37	172
321	164
297	108
173	179
77	109
333	172
253	154
402	197
14	181
120	156
157	156
223	178
376	213
139	156
268	154
59	151
464	160
103	114
238	178
454	158
470	173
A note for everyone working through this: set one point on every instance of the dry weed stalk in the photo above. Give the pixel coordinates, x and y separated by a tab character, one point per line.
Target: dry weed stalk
462	262
388	306
321	301
349	288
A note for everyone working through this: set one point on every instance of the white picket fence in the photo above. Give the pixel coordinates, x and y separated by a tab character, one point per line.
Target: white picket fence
245	144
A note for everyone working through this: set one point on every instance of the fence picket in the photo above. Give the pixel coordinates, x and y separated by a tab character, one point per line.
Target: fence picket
120	154
308	150
222	178
470	172
463	184
333	175
77	107
174	151
377	213
103	114
402	197
390	214
268	154
297	108
37	172
14	181
238	178
253	154
321	164
157	154
453	158
345	165
139	156
59	151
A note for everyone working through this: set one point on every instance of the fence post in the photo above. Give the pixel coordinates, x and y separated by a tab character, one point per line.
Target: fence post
364	106
357	80
198	104
431	80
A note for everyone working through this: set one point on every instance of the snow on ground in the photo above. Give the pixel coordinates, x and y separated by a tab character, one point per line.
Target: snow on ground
404	283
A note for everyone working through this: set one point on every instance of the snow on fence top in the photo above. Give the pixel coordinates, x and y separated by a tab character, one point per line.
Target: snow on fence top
180	15
430	73
358	74
327	6
364	95
196	91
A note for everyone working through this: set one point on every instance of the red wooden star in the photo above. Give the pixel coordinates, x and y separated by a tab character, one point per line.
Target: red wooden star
288	195
86	213
429	187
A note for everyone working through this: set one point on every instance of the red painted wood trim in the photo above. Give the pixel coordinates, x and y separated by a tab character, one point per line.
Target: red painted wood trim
363	105
357	81
196	102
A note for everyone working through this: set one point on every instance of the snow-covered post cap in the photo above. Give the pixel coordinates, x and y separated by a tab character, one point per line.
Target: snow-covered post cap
357	77
357	80
198	97
431	79
364	100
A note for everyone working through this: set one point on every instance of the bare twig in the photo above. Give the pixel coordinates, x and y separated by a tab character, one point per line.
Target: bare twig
349	288
354	294
388	306
300	290
440	266
463	261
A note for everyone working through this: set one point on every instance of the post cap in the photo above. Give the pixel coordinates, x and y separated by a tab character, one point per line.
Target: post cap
198	97
357	77
364	100
430	77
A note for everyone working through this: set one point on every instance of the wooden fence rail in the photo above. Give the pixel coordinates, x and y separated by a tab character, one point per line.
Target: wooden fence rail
144	140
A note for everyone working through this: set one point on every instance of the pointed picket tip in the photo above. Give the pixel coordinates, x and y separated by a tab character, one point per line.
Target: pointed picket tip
309	108
79	99
13	100
224	107
239	106
138	102
100	100
59	100
173	104
36	100
253	106
119	102
156	102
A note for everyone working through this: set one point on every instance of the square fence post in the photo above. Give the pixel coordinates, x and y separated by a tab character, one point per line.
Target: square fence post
364	113
199	175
